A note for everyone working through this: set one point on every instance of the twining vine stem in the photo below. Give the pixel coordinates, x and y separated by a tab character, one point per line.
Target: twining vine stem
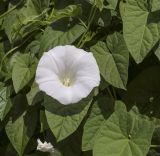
9	11
90	19
109	92
13	50
155	146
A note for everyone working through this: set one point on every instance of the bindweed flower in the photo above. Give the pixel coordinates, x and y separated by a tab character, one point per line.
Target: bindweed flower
44	147
67	74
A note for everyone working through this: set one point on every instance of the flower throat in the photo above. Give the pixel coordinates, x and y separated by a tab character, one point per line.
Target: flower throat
66	82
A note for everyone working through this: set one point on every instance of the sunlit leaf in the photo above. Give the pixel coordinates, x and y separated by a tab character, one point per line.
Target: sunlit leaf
31	96
112	4
112	58
20	130
124	134
69	11
52	38
23	71
98	3
101	110
14	21
5	102
64	120
140	34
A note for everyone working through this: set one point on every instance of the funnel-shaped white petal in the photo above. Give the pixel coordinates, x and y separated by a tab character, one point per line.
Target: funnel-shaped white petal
67	74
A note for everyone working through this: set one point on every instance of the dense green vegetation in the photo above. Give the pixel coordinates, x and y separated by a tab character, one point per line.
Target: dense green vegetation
121	117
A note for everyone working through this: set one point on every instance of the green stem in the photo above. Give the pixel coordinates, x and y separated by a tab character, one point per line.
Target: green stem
44	22
9	11
87	36
110	93
114	93
12	50
9	52
83	23
83	40
80	41
90	15
90	19
155	146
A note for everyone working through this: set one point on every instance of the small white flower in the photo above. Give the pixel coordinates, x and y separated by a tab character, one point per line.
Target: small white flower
44	147
67	74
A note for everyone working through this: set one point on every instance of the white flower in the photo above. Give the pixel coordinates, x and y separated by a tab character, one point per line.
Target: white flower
44	147
67	74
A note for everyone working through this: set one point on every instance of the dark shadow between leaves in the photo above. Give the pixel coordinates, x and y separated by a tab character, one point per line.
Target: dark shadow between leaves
75	139
4	122
19	106
63	4
38	98
60	25
106	106
63	24
154	17
55	107
30	120
18	3
144	92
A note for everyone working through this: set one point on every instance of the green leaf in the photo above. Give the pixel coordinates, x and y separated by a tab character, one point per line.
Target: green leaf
52	38
112	4
69	11
14	22
120	53
43	121
31	96
40	5
64	120
13	59
17	134
103	18
101	110
33	47
98	3
156	137
157	52
5	102
30	9
155	5
157	122
20	130
124	134
139	33
9	26
112	58
1	85
23	71
2	10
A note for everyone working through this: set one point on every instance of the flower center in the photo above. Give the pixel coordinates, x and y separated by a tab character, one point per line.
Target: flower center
66	82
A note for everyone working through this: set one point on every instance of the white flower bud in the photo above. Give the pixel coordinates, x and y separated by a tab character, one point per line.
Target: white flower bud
44	147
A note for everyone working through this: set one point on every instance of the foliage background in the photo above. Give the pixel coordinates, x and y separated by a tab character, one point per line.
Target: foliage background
121	117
